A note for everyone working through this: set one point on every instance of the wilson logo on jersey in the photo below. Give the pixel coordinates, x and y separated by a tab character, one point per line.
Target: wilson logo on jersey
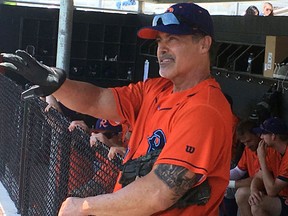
190	149
156	141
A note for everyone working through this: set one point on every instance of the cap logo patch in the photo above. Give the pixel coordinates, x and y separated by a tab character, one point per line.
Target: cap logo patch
103	123
171	10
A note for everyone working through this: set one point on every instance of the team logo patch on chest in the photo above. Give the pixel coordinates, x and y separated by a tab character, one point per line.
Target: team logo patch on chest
156	141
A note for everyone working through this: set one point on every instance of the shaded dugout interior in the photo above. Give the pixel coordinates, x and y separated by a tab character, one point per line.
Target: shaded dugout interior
105	47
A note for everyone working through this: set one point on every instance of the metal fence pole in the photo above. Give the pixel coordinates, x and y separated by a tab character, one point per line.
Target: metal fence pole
65	35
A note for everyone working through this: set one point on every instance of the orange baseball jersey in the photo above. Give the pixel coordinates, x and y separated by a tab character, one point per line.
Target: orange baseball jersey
249	162
193	127
279	166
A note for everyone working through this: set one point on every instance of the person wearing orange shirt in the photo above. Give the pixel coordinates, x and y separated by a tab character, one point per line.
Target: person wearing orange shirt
269	188
241	175
183	114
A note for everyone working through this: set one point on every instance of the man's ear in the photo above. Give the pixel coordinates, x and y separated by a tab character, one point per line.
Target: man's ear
205	43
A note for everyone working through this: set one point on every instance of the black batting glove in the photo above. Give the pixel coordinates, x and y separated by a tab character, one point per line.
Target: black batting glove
46	79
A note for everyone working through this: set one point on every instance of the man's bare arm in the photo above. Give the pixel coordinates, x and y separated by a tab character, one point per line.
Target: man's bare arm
243	182
155	192
177	178
272	185
88	99
257	182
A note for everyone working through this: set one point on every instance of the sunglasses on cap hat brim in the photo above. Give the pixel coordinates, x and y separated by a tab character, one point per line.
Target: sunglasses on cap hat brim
166	18
172	19
171	24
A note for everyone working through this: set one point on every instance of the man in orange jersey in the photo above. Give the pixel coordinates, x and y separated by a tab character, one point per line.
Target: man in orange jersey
241	175
183	114
269	188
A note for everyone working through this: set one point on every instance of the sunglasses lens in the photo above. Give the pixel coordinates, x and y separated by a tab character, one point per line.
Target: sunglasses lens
170	19
165	19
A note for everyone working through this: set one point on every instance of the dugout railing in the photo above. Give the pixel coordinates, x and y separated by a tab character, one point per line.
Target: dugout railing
41	162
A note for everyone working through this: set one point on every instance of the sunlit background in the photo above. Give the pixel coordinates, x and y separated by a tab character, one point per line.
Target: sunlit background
220	8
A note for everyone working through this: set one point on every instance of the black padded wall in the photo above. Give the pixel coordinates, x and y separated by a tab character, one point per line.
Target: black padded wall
247	91
249	30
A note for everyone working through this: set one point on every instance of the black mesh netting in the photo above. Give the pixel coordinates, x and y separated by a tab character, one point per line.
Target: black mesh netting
41	162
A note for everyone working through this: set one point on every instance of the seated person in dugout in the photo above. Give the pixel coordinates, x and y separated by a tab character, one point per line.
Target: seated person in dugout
241	176
181	120
269	187
246	162
114	136
102	132
105	132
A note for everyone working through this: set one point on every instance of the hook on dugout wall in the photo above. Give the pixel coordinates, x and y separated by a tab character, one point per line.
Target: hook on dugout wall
250	78
237	77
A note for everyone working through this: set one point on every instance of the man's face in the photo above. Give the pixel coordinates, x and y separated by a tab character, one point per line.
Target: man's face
177	55
268	139
250	140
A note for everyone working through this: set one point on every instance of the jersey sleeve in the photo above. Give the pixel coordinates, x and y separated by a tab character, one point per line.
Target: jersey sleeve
128	100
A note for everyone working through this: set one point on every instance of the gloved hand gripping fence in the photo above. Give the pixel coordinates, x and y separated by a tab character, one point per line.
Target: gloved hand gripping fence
45	80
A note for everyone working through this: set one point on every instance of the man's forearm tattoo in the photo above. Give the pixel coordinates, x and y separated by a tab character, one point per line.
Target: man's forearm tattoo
176	178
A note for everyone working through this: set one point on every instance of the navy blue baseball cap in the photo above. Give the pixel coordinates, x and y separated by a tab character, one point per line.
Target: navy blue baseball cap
272	125
180	19
103	125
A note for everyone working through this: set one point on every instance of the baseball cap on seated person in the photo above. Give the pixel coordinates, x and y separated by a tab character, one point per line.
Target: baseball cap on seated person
103	125
180	19
273	125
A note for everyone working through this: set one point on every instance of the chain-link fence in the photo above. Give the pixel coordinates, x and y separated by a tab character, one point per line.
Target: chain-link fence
41	162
